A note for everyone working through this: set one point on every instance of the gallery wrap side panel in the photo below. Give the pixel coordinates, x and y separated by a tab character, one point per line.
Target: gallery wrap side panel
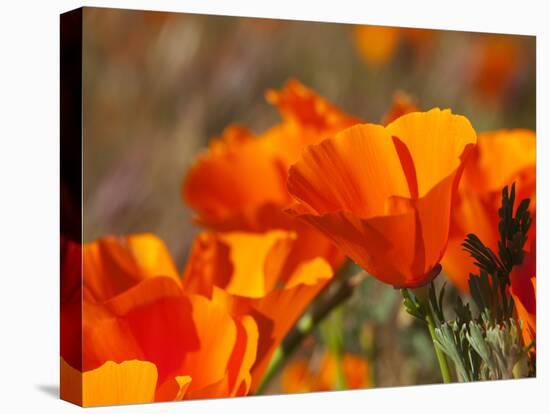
71	206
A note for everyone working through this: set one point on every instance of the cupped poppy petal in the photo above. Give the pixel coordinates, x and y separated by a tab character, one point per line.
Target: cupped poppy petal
217	336
251	265
309	273
499	159
152	321
233	178
130	382
209	265
237	380
258	260
106	338
174	389
369	190
244	264
112	265
151	255
266	281
239	183
378	244
243	356
349	173
436	141
183	382
283	307
157	322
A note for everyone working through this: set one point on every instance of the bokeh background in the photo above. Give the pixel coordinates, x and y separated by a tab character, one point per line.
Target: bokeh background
159	86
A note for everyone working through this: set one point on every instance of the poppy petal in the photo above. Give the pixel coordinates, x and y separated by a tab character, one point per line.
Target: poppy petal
130	382
368	191
437	141
112	265
140	322
358	160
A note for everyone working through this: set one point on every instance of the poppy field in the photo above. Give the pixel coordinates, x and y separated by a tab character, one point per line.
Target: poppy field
260	206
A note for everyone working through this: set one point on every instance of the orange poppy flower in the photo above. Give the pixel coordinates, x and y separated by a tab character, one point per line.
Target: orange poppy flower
499	159
383	194
239	185
239	182
138	321
298	376
115	264
130	382
258	275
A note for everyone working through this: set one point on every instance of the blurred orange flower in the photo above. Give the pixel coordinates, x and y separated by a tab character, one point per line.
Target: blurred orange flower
496	63
298	376
499	159
377	45
402	104
138	322
259	275
239	182
264	262
384	194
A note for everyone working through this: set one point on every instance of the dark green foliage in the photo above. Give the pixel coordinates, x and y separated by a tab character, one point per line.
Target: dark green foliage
436	302
489	288
487	345
412	306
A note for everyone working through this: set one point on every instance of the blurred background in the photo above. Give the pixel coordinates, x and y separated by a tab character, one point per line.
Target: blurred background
159	86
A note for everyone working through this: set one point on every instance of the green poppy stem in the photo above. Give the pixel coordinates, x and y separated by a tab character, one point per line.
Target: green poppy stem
334	298
418	306
441	358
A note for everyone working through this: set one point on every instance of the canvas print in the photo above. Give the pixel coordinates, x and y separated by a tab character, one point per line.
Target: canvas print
258	206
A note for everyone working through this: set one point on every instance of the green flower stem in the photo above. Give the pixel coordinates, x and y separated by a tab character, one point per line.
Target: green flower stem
418	306
331	300
331	331
441	358
277	362
341	381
